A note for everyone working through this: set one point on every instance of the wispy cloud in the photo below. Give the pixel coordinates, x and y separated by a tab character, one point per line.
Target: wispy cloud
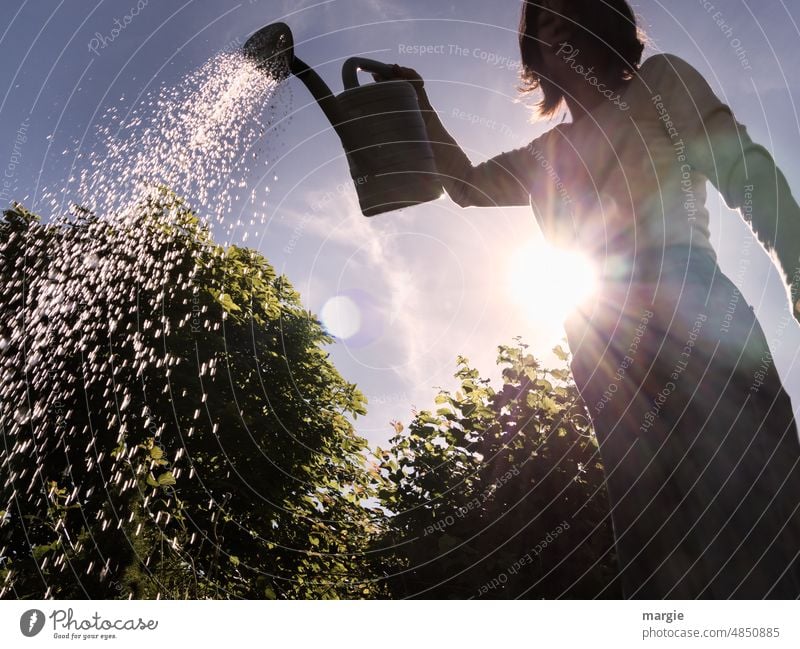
374	242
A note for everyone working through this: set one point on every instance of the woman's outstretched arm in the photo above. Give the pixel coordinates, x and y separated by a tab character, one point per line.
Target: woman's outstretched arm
504	180
743	171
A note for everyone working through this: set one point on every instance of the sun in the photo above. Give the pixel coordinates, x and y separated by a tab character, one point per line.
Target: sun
548	283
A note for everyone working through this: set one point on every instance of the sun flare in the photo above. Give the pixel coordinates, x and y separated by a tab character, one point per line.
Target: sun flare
548	283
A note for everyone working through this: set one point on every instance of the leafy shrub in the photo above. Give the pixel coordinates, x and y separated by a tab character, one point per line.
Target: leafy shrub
172	426
499	494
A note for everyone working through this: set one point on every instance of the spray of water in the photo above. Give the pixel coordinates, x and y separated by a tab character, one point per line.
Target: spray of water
199	138
74	294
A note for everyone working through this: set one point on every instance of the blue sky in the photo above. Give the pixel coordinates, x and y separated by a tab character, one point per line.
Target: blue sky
431	282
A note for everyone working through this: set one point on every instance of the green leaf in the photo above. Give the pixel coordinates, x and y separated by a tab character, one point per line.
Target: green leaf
166	479
561	375
40	550
227	303
549	405
234	560
558	350
156	452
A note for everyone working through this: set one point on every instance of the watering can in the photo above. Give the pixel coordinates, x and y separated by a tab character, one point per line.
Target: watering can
380	125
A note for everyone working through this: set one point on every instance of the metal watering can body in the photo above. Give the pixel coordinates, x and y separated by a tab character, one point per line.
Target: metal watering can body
380	125
386	142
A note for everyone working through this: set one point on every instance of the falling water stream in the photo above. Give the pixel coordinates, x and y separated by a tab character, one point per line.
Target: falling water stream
199	139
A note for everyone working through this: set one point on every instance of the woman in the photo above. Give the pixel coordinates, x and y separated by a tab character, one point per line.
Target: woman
696	432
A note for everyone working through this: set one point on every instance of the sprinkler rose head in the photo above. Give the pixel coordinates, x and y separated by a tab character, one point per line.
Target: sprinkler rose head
272	49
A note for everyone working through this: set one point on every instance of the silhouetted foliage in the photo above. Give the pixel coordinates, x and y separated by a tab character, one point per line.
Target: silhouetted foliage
499	494
172	427
171	424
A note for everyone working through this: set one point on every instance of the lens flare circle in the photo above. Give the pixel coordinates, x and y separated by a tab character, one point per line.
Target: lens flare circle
354	316
341	317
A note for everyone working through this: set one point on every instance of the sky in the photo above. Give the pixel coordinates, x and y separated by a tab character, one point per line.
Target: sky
431	282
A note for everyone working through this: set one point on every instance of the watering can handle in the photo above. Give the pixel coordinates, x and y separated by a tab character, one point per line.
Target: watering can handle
353	65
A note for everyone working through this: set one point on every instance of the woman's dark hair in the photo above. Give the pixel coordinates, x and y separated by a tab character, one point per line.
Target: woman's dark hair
606	29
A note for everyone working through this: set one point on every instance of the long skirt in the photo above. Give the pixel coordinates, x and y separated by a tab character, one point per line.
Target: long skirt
696	434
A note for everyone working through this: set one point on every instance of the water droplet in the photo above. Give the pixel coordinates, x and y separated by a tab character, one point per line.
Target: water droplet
22	415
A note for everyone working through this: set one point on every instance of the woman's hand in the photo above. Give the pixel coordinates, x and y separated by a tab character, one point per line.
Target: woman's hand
399	72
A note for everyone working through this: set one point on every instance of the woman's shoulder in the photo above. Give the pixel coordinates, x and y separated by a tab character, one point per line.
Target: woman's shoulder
669	69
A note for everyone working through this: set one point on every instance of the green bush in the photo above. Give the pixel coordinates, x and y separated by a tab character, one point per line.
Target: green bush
499	494
172	426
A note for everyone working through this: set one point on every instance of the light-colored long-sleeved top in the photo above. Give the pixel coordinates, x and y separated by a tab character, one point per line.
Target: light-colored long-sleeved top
628	179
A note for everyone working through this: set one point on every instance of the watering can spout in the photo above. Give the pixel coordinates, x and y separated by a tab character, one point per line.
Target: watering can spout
271	48
379	124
